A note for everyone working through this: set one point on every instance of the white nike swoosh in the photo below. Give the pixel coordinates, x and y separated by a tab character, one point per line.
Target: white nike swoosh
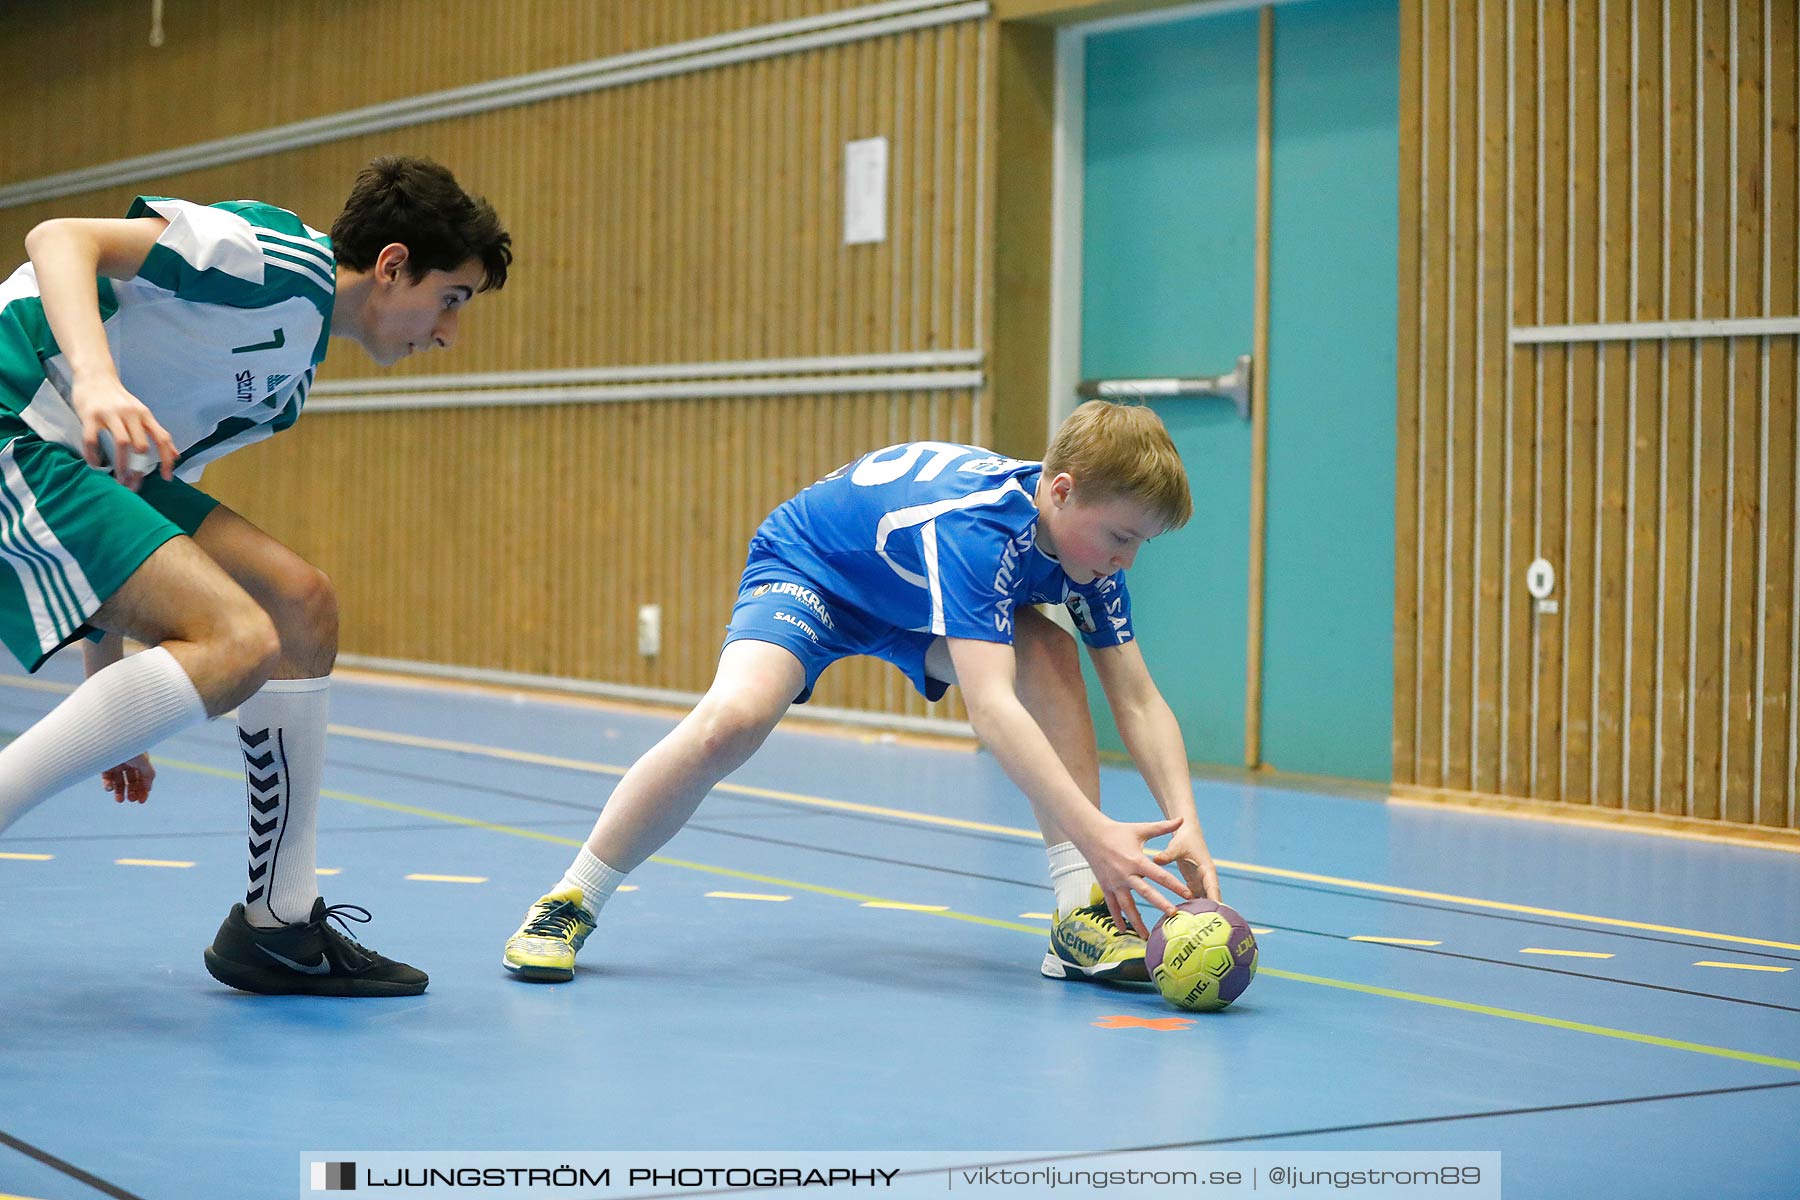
319	968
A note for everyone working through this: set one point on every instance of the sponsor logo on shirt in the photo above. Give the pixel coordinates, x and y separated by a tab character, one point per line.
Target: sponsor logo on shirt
246	386
276	381
1082	614
782	614
804	595
993	464
1007	576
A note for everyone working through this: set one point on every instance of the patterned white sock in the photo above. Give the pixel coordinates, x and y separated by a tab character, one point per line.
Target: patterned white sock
1072	878
595	879
118	713
281	731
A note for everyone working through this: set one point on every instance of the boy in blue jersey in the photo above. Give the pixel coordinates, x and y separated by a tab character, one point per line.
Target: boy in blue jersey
930	555
133	352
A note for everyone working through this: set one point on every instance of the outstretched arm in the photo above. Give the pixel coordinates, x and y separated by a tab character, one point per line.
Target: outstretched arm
985	672
69	254
1153	738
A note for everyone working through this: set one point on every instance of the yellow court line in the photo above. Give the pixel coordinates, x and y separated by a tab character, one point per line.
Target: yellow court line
1024	834
10	1196
1565	953
1034	835
747	896
151	862
905	907
26	858
1037	916
595	768
328	870
735	789
1767	1060
1502	906
1037	931
1388	941
1742	966
449	878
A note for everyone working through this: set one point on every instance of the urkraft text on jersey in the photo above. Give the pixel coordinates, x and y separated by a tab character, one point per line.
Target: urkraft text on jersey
805	596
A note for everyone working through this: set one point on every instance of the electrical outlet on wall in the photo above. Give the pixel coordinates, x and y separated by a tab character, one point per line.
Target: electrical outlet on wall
649	630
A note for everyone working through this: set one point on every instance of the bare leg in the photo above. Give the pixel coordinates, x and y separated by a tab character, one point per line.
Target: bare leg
181	600
296	595
281	729
212	646
755	683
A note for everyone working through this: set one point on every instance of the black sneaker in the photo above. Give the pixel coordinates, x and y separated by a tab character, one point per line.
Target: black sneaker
307	959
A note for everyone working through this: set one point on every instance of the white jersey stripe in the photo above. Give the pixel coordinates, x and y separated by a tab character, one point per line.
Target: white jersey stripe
47	591
934	585
919	514
69	572
56	591
279	261
297	243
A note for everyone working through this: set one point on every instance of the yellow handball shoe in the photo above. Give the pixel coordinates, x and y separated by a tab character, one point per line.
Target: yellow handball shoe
1086	943
543	950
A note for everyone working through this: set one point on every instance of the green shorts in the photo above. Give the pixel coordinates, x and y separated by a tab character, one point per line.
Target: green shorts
70	536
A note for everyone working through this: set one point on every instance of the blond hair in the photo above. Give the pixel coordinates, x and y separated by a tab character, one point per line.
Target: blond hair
1113	450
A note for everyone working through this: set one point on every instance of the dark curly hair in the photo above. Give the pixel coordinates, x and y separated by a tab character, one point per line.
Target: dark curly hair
418	203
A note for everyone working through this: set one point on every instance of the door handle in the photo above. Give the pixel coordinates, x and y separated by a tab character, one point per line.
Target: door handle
1233	386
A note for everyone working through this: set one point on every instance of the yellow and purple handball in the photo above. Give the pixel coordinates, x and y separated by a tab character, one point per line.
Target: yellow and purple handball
1202	956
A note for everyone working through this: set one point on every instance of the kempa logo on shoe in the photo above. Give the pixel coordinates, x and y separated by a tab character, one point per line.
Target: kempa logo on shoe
318	968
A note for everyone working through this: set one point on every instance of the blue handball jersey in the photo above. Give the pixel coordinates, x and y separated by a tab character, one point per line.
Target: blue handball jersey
932	537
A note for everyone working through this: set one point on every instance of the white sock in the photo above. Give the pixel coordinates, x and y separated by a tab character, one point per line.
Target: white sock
595	879
119	713
281	731
1072	878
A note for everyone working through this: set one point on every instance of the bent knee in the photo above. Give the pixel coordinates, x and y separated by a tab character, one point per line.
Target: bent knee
309	608
249	643
731	730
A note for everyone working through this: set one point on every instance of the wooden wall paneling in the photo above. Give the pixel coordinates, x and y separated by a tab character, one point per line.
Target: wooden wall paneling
684	219
1744	501
1408	545
1577	584
1461	382
1553	392
1523	175
1711	408
1781	293
1432	433
1492	404
1673	775
1607	701
1645	402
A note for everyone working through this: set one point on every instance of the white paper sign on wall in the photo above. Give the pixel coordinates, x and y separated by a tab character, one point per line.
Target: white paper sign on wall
865	191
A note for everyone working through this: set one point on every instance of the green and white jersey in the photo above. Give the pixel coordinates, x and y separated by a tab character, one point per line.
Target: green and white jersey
219	334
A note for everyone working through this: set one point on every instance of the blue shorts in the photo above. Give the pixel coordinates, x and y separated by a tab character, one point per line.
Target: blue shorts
818	630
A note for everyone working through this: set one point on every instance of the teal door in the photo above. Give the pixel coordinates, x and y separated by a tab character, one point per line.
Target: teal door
1168	276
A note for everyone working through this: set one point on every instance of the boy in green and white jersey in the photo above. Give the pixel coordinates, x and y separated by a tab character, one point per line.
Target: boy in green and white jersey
132	353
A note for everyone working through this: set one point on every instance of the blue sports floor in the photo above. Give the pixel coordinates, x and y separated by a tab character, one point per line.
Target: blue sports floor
1655	1054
